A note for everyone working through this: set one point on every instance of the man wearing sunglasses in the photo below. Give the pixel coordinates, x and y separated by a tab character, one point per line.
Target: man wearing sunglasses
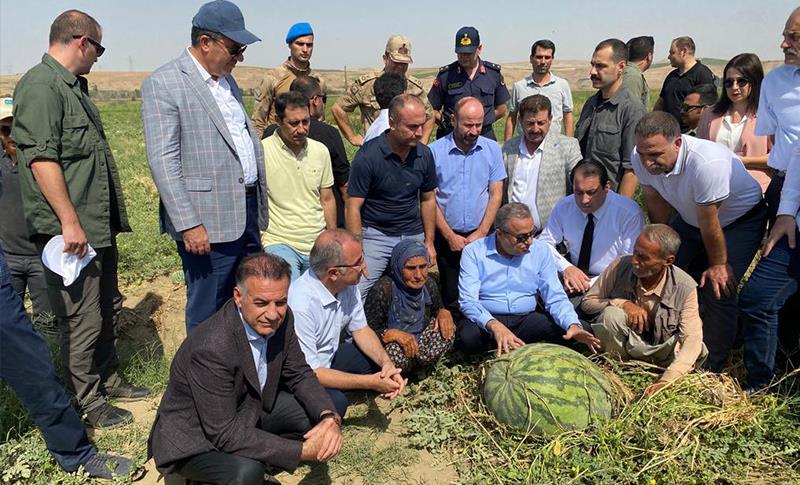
502	277
205	158
70	187
694	104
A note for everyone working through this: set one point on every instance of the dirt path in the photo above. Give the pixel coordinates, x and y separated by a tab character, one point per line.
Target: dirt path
154	315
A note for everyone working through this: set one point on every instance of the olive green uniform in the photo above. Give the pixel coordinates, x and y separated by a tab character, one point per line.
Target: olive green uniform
271	86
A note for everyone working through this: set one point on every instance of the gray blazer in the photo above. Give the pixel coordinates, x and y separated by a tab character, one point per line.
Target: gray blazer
560	154
192	156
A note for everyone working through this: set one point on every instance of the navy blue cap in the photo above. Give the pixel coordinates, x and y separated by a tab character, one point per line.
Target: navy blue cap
467	40
300	29
224	18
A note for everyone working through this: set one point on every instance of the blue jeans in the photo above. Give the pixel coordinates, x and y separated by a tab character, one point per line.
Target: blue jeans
298	262
26	367
742	240
210	278
774	280
377	253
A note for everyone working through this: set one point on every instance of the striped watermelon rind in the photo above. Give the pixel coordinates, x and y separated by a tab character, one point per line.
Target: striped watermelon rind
545	389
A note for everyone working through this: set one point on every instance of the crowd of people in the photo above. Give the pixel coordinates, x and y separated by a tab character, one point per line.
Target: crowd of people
308	276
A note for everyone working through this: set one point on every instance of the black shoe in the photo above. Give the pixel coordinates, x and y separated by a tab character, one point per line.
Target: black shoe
108	466
107	416
128	392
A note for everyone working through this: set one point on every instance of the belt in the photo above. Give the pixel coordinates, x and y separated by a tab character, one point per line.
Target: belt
251	188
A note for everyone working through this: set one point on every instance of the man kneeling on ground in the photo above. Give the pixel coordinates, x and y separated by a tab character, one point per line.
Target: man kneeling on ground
502	277
647	307
241	397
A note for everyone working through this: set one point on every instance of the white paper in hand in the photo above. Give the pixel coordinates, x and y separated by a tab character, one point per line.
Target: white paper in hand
66	265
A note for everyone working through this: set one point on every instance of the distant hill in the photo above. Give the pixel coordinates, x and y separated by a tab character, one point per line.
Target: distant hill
248	77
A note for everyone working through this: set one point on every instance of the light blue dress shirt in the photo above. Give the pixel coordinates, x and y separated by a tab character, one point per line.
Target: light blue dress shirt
464	178
493	284
258	346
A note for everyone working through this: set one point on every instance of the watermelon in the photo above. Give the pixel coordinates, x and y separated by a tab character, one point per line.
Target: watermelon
545	389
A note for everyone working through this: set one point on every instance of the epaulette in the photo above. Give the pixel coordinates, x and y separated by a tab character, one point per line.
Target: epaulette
414	81
492	65
447	67
364	79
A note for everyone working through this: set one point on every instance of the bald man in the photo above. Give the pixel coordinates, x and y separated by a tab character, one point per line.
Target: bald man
470	174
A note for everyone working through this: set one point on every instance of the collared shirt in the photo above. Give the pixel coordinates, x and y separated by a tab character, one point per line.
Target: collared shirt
526	178
492	284
258	347
234	116
13	229
605	131
378	126
296	216
690	328
730	133
634	81
790	194
779	113
555	88
320	317
391	187
676	86
55	119
705	173
463	180
618	223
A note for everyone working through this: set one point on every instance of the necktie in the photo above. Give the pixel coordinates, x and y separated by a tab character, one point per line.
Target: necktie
586	244
262	365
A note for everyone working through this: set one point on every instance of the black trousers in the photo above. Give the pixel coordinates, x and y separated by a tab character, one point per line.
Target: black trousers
531	327
449	264
288	420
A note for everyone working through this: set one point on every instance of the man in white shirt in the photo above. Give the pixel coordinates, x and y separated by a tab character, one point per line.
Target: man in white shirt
595	224
539	161
720	217
325	300
779	109
386	87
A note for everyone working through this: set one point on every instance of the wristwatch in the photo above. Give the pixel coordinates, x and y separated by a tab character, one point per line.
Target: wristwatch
330	414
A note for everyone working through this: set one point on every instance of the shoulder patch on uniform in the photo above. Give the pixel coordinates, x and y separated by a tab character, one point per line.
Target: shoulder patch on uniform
364	79
492	65
414	81
444	68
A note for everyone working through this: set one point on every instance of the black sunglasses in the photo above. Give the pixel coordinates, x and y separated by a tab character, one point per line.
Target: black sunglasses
235	50
97	46
520	238
740	81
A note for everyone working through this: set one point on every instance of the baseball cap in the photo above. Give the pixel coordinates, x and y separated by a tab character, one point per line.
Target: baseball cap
299	29
467	40
398	48
224	18
6	105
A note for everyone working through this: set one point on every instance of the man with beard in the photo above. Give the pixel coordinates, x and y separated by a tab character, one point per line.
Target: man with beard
605	128
470	174
542	81
640	58
648	307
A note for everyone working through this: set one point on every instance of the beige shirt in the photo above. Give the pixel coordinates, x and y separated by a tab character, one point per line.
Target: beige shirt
272	85
690	328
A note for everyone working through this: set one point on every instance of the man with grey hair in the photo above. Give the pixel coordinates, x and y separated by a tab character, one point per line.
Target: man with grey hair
325	301
647	308
502	277
720	217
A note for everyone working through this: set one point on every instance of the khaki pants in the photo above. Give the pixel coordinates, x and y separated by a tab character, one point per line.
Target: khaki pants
619	339
87	315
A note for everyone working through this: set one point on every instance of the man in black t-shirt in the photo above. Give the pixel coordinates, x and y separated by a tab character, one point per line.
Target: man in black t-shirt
391	189
688	73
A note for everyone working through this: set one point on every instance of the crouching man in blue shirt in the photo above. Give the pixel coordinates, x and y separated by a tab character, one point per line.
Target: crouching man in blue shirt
500	279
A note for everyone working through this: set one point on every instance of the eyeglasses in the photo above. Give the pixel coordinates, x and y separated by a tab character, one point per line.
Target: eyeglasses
97	46
357	264
739	81
691	107
520	238
235	50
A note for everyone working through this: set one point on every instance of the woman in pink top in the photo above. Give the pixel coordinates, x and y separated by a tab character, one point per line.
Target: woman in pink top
732	120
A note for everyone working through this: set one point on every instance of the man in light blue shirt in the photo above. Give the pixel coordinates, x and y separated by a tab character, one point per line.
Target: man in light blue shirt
470	174
501	277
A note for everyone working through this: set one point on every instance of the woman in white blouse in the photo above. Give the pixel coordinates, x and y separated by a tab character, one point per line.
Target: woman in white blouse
732	120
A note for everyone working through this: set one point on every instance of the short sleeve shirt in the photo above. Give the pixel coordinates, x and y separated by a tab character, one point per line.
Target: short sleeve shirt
677	86
557	91
391	187
320	317
705	173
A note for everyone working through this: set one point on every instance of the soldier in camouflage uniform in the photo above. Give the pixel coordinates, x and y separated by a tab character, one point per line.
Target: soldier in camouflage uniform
361	95
300	40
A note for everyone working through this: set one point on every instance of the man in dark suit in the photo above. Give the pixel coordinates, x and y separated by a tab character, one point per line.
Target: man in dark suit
241	397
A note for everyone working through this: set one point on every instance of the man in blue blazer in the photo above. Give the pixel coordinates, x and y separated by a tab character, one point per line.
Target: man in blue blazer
206	161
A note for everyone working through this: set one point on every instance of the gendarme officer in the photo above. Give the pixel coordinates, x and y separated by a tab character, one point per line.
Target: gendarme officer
469	76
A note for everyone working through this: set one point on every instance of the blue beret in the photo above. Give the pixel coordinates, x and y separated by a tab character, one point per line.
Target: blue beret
299	29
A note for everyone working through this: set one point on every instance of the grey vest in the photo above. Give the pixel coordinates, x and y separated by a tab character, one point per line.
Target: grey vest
677	287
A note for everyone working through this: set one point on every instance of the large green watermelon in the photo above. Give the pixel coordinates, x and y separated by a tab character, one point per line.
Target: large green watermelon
546	388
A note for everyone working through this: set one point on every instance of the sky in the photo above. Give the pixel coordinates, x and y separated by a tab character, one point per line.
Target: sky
141	35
